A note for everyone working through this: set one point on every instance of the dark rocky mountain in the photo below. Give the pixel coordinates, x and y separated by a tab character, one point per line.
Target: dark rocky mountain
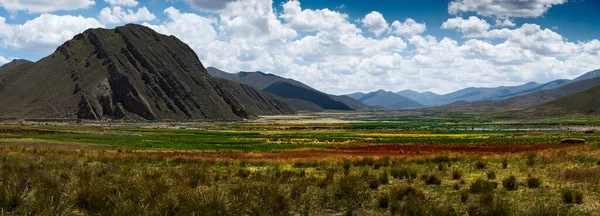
14	63
389	100
129	72
289	88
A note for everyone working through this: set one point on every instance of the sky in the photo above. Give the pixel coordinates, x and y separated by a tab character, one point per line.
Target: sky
341	46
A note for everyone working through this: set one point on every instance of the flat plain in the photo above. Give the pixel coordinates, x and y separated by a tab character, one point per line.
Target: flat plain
331	163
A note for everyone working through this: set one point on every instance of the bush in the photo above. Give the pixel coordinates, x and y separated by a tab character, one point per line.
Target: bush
441	167
350	190
480	165
530	160
505	163
384	177
510	183
403	173
243	173
464	197
533	182
456	175
383	201
491	175
483	186
570	197
432	180
374	183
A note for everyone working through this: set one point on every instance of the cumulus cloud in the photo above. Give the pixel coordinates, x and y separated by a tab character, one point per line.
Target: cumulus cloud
375	22
119	15
503	8
41	6
209	5
505	23
409	28
473	26
5	29
533	37
128	3
47	31
3	60
316	20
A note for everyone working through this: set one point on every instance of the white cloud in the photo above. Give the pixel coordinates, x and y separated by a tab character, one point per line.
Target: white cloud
469	27
44	6
119	15
505	23
409	28
591	46
47	31
533	37
316	20
195	30
5	29
3	60
128	3
209	5
375	22
503	8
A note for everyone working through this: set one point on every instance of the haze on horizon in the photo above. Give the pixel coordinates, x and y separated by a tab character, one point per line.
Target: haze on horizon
339	46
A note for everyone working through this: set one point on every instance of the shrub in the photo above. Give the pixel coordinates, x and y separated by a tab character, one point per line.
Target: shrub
570	196
505	163
374	183
510	183
533	182
464	197
432	180
403	173
383	201
483	186
384	177
350	190
456	175
456	186
491	175
243	173
441	167
480	165
530	160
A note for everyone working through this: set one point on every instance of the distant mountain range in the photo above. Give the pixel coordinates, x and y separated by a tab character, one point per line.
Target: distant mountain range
491	97
289	88
386	99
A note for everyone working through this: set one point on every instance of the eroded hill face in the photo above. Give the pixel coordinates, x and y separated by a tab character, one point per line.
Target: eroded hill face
128	72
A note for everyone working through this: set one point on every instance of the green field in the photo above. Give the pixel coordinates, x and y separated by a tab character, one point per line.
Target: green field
319	164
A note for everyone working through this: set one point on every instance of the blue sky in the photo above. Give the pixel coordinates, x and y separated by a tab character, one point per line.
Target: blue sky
342	46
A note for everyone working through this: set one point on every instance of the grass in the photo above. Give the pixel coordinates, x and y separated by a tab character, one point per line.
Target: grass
295	169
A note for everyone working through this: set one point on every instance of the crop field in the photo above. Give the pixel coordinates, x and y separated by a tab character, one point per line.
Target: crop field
311	164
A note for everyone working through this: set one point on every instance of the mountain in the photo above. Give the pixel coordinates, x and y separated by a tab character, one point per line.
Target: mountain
529	100
389	100
289	88
584	102
356	95
129	72
14	63
425	98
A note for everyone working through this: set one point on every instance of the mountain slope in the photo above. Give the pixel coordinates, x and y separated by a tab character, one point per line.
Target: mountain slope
128	72
389	99
289	88
530	100
585	102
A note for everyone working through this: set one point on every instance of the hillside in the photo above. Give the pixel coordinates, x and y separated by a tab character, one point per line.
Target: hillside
289	88
585	102
389	100
128	72
14	63
529	100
